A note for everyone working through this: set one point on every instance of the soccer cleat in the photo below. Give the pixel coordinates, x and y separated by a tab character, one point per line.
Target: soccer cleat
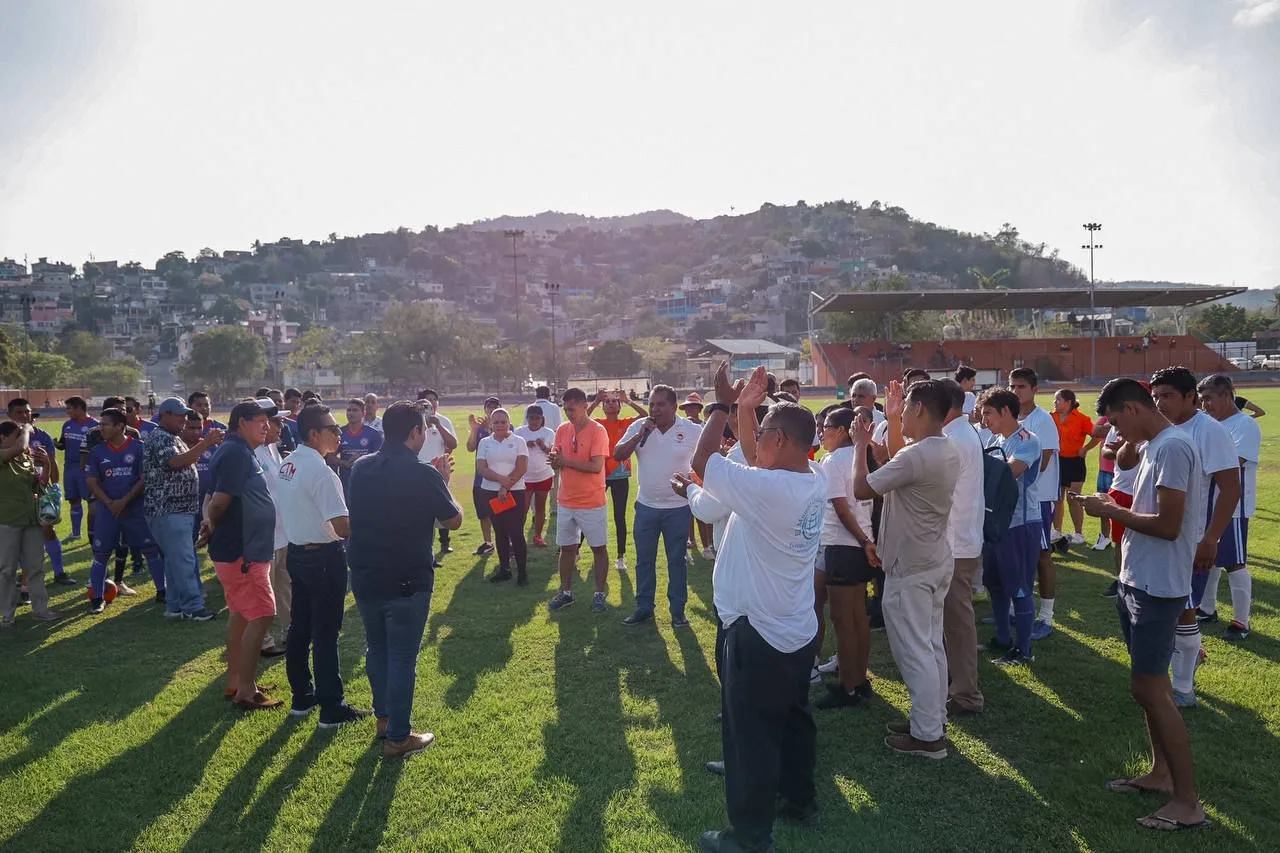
1202	658
597	603
562	600
1185	700
1112	590
1236	633
97	605
1103	543
1014	657
831	667
1206	618
1041	629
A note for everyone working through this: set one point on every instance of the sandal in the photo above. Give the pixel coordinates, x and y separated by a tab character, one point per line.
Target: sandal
1160	823
1130	786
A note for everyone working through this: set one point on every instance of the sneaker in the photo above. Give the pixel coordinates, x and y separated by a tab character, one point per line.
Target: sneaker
174	614
64	580
1112	590
483	550
597	603
1236	633
877	622
1012	658
1184	700
1076	538
620	566
123	588
436	564
273	651
709	554
332	718
302	706
24	597
865	690
522	578
411	745
561	601
1103	543
837	697
500	575
1041	629
715	768
679	620
831	667
204	614
815	677
1206	618
446	549
539	542
160	597
1055	536
97	605
907	745
637	617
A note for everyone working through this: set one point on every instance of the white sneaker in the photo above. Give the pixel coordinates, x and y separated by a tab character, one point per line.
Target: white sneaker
620	566
831	667
815	677
1103	543
1055	536
1076	539
708	553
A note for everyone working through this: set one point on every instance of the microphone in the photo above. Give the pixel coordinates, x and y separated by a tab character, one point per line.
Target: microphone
644	436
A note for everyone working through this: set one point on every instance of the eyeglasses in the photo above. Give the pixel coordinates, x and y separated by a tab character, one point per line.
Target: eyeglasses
762	430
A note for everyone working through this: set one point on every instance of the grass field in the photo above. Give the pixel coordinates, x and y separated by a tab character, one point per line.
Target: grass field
577	733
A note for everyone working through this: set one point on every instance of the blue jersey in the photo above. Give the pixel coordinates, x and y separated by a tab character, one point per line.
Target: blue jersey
145	428
210	423
202	469
73	433
117	469
42	438
1023	446
354	445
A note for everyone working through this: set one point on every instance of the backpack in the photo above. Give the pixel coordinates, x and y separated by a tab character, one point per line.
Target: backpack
999	492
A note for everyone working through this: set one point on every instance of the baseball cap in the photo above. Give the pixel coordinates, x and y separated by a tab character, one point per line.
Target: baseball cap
172	406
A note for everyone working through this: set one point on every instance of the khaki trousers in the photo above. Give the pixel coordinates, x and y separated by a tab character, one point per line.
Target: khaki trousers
913	605
21	547
284	599
960	635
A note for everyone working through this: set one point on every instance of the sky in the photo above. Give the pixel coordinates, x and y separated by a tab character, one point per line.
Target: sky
133	127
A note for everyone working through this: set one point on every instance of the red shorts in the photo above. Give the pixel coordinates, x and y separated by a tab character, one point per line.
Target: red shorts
1126	501
248	593
540	486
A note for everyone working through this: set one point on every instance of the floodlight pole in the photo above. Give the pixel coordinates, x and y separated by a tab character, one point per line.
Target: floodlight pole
1092	228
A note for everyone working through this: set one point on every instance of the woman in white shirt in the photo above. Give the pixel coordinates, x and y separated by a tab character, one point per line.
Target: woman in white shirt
502	458
539	438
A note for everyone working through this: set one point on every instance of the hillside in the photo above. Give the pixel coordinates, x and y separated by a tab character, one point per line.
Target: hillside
554	220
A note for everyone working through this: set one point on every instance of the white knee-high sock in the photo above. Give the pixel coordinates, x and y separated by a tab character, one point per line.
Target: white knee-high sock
1046	610
1186	651
1241	583
1209	603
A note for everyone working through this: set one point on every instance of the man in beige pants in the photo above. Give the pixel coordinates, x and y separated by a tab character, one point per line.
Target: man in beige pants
268	454
964	531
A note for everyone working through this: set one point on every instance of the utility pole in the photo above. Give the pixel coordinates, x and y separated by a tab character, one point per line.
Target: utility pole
514	235
1093	228
553	290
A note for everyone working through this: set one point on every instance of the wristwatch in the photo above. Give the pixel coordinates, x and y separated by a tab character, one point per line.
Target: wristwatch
717	407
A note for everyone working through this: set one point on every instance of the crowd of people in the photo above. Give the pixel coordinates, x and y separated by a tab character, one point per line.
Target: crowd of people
913	505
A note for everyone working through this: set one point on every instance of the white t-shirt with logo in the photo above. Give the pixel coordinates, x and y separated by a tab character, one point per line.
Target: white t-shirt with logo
308	498
663	454
764	569
1041	424
968	504
837	467
539	469
1157	566
501	456
1216	452
1247	435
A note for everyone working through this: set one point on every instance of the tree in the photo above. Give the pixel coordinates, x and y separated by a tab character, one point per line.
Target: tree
84	349
228	311
656	356
1227	323
813	249
315	345
44	369
117	377
614	358
222	357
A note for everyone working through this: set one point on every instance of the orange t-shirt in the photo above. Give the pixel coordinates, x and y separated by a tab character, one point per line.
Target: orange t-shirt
578	489
615	429
1073	432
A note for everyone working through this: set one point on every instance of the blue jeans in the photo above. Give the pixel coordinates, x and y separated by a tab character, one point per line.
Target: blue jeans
393	636
172	533
318	577
673	525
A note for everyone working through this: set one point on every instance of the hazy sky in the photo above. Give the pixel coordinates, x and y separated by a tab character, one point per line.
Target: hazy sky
131	127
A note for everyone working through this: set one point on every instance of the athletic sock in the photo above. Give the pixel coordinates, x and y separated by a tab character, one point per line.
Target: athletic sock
77	514
53	548
1024	617
1186	653
1000	605
98	575
1046	610
1209	601
1241	583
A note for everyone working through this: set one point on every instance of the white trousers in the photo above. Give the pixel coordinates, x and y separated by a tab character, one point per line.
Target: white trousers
913	606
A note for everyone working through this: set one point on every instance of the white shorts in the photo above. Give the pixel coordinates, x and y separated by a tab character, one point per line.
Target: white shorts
572	524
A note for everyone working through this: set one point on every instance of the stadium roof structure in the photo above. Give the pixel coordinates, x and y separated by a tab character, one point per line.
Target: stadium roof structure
1013	300
747	346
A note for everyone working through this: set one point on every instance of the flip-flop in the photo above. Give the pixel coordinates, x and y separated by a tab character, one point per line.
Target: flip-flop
1128	786
1159	823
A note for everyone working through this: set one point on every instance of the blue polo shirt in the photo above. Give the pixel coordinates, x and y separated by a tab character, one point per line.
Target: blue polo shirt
248	527
394	500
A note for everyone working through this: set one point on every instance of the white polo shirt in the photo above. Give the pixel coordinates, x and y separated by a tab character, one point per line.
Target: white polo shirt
433	447
501	457
309	498
269	458
663	454
968	503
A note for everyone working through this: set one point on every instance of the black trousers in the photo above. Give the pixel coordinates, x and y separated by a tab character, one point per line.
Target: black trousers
508	531
770	741
318	575
618	492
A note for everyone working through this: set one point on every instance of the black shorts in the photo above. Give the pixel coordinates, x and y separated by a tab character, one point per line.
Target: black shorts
1071	470
481	502
847	565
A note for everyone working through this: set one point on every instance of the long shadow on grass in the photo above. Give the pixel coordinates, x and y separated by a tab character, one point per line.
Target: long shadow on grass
587	745
109	808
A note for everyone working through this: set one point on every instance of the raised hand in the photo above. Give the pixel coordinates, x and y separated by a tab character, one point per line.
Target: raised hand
754	391
213	438
895	401
862	431
726	391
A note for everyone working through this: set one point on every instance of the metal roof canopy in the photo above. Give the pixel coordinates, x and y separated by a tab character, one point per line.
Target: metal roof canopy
1057	298
747	346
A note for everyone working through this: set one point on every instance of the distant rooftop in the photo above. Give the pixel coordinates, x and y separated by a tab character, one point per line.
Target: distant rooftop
1060	298
749	346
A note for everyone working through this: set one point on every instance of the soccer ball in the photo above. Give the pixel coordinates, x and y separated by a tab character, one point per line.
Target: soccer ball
108	591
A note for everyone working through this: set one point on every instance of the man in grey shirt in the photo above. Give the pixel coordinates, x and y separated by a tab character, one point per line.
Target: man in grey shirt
1161	532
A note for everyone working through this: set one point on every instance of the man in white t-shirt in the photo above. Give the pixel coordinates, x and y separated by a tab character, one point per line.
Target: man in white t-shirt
1161	532
1174	391
763	582
918	484
550	411
964	533
1218	397
664	444
1024	382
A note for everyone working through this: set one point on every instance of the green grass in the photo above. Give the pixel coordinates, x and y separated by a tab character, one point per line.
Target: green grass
576	733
